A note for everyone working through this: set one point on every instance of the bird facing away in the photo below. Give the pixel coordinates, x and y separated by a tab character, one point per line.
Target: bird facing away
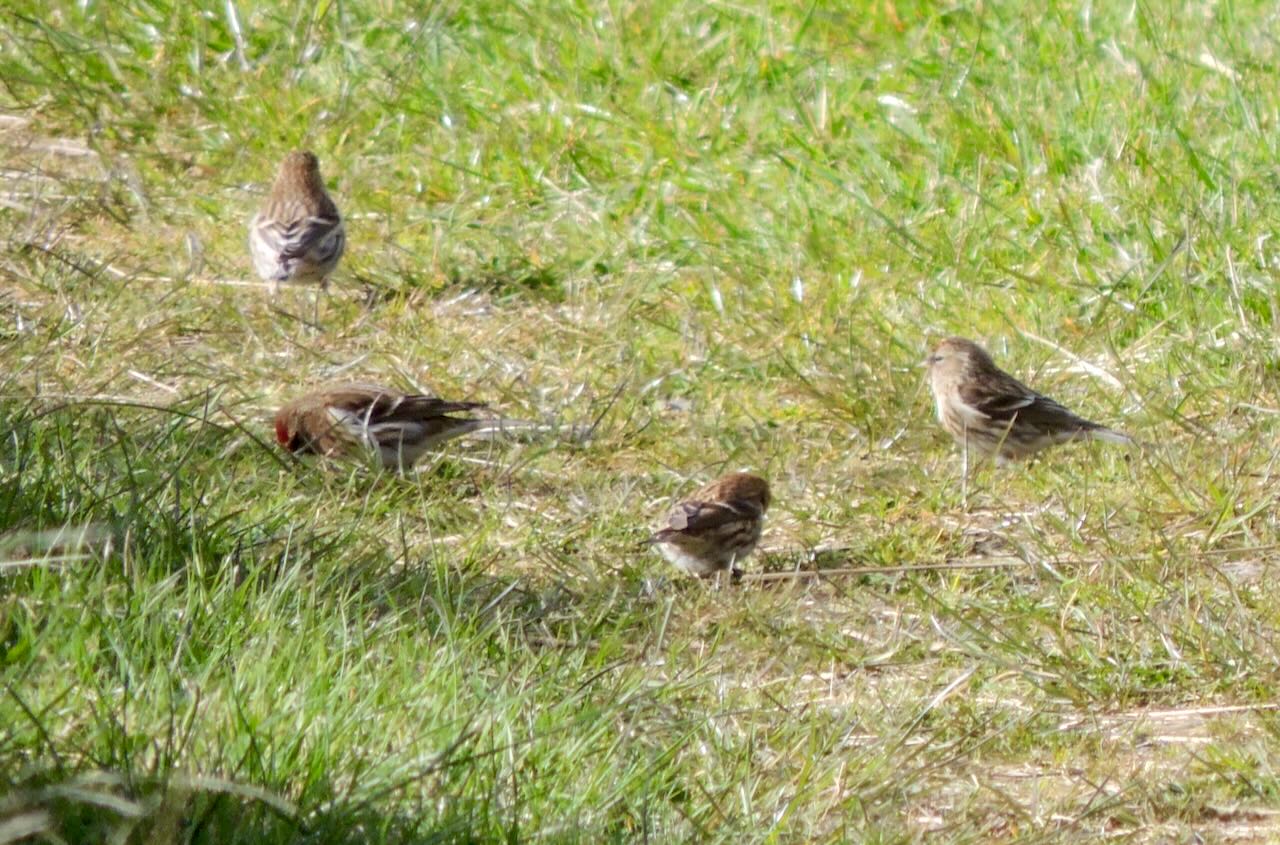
987	410
297	235
717	527
398	428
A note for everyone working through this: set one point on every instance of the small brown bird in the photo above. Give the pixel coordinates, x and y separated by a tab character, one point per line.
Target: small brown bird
717	527
297	235
987	410
342	419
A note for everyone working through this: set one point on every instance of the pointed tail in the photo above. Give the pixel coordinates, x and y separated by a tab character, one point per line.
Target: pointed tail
529	431
1110	436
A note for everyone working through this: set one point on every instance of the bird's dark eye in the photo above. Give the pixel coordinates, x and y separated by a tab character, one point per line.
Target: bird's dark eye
933	359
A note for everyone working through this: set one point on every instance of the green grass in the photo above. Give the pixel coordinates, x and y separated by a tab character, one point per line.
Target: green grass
726	235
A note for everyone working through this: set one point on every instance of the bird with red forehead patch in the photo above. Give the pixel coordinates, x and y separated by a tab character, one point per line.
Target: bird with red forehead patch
397	428
297	235
717	527
989	411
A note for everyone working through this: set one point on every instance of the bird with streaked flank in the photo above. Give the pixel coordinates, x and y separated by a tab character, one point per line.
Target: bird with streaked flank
298	234
717	527
344	420
989	411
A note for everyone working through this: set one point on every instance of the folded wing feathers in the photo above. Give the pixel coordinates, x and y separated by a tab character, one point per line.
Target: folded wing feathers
322	234
1036	409
282	243
700	516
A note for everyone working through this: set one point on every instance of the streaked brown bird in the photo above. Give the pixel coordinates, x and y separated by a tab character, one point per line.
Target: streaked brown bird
717	527
989	411
398	428
297	235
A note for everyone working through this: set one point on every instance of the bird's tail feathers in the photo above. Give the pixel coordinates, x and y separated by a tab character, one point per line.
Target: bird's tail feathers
1108	435
504	428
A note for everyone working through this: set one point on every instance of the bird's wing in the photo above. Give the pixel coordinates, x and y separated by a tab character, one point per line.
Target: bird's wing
321	235
420	407
1048	415
998	400
1014	399
377	404
383	419
698	517
296	232
359	425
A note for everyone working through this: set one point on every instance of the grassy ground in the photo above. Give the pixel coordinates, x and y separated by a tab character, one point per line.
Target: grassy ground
725	234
